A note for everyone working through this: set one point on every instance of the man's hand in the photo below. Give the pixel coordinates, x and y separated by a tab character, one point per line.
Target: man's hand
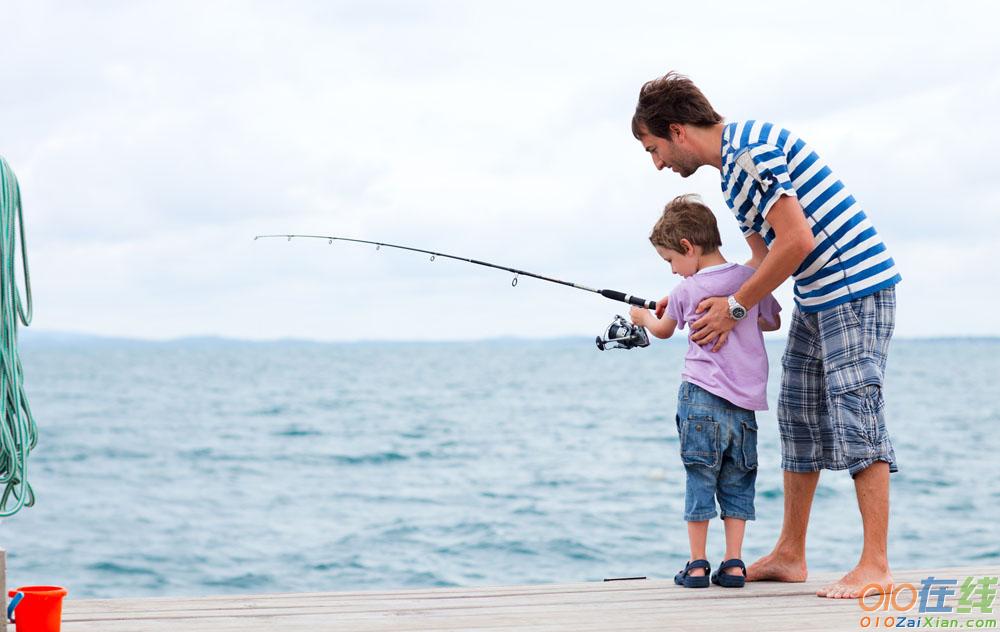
661	306
715	325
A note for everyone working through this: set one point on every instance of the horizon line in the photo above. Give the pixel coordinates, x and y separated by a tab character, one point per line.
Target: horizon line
72	336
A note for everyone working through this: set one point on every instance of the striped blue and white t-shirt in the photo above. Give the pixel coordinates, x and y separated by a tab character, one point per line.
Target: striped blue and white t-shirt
760	163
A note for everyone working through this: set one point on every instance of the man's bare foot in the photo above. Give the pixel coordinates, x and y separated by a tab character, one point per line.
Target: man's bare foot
777	568
863	577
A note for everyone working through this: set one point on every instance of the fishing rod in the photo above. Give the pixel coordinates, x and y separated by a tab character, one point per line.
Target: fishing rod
621	333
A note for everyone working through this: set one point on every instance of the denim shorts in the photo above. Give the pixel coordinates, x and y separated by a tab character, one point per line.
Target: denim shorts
831	413
719	451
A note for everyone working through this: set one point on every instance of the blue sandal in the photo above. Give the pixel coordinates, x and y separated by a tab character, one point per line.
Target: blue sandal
684	578
730	581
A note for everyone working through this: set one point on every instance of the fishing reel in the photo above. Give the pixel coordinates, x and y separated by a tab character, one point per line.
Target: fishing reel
622	334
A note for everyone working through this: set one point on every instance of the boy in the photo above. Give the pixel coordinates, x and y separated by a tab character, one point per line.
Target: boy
720	390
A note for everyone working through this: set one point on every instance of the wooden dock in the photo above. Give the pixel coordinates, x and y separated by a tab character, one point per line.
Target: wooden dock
596	606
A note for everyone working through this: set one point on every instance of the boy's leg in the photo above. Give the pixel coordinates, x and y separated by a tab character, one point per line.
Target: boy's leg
698	431
697	537
734	542
737	481
699	509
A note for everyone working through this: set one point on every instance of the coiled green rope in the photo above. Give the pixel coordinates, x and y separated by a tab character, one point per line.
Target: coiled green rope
18	432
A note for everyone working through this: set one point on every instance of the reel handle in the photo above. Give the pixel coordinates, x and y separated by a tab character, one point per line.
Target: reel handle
615	295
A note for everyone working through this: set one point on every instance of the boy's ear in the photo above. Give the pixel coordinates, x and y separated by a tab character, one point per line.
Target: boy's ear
687	246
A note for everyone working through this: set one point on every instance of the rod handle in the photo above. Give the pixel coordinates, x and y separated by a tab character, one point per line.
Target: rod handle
615	295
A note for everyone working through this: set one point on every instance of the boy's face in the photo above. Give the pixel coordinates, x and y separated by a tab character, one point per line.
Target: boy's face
683	264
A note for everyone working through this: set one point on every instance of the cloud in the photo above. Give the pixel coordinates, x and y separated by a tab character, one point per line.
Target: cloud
154	140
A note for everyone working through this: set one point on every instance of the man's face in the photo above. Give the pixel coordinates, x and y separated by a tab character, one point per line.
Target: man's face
675	154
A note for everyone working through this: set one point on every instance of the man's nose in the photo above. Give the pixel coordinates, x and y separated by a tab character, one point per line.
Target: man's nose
659	164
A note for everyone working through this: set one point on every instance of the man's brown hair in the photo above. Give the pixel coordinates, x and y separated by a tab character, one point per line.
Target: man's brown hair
672	98
685	217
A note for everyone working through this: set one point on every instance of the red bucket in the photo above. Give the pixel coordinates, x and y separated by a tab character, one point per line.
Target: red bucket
40	609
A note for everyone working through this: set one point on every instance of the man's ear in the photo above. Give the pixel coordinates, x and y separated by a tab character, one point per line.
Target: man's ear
677	132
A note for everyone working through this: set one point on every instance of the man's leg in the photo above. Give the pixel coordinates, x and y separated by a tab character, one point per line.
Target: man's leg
856	340
787	562
872	486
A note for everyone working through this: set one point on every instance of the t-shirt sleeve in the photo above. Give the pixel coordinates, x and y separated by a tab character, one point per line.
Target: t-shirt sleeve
767	165
769	308
675	306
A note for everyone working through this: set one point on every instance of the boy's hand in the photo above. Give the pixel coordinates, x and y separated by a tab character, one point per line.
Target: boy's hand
661	306
638	315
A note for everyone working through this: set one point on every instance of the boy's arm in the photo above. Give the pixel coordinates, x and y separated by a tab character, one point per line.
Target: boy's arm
769	318
662	327
766	326
758	250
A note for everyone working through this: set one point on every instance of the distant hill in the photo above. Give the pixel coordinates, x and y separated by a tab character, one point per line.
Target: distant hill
31	337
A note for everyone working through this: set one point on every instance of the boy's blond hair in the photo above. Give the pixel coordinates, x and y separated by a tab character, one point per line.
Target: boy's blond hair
685	217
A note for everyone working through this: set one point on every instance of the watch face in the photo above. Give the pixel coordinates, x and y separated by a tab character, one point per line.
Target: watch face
739	313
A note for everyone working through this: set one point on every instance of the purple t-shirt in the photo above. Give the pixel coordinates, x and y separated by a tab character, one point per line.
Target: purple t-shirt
738	371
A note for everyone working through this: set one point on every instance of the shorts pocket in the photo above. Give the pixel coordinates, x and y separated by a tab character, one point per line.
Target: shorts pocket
853	376
699	440
858	420
749	442
858	307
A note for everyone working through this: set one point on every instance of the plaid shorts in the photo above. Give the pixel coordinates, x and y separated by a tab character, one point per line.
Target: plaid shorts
830	409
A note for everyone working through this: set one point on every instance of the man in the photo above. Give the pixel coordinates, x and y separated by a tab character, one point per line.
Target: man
799	221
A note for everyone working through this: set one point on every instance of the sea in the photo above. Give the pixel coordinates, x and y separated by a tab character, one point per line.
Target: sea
208	466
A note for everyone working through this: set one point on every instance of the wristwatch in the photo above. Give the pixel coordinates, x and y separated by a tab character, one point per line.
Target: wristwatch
736	311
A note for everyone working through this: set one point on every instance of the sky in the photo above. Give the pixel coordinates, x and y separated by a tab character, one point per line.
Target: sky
154	140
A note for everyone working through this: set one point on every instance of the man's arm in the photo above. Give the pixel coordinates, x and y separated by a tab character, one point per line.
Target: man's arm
793	241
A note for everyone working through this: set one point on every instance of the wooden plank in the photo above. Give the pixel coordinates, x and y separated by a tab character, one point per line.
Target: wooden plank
593	592
632	605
